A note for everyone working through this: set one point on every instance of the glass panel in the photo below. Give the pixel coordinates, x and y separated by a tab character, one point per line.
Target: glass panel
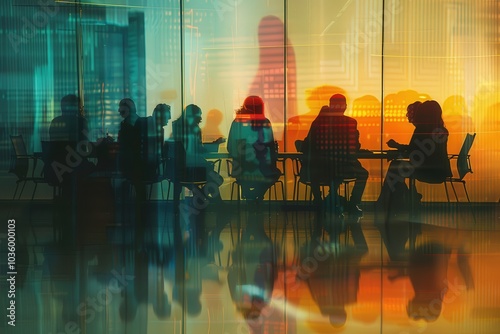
103	257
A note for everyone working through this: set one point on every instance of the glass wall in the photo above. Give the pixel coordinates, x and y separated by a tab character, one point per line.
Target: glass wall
381	54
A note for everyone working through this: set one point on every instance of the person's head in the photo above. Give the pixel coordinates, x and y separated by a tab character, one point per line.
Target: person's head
410	111
429	114
254	105
338	103
162	114
70	105
428	310
338	317
162	307
126	108
192	115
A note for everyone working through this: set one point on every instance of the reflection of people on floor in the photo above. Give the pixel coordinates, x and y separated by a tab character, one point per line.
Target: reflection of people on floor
428	266
252	147
61	265
252	275
428	158
395	235
334	283
329	153
129	304
162	306
187	287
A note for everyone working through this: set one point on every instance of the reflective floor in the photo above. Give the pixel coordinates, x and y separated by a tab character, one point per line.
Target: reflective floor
250	268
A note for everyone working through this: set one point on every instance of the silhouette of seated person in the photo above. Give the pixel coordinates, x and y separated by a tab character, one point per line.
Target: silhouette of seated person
129	141
252	147
186	129
329	154
151	136
71	126
427	157
65	156
298	126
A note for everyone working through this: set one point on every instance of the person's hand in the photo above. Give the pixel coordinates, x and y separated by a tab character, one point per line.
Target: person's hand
392	143
219	140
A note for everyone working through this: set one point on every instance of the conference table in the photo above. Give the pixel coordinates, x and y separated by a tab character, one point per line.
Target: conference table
361	154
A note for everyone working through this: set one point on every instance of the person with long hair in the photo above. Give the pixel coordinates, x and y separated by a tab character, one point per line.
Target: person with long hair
426	157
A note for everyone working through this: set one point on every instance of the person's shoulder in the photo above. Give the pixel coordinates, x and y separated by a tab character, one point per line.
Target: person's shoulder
350	119
55	120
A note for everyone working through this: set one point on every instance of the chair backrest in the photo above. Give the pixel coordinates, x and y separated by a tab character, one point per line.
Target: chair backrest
463	161
19	145
20	162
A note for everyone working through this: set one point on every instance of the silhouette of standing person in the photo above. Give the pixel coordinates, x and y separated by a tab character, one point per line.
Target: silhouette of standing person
152	139
251	146
275	80
329	151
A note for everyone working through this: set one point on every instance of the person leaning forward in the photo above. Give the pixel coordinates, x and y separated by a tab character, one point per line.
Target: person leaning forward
329	150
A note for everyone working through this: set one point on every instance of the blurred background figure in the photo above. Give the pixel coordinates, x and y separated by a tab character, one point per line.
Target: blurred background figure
299	125
211	131
269	81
